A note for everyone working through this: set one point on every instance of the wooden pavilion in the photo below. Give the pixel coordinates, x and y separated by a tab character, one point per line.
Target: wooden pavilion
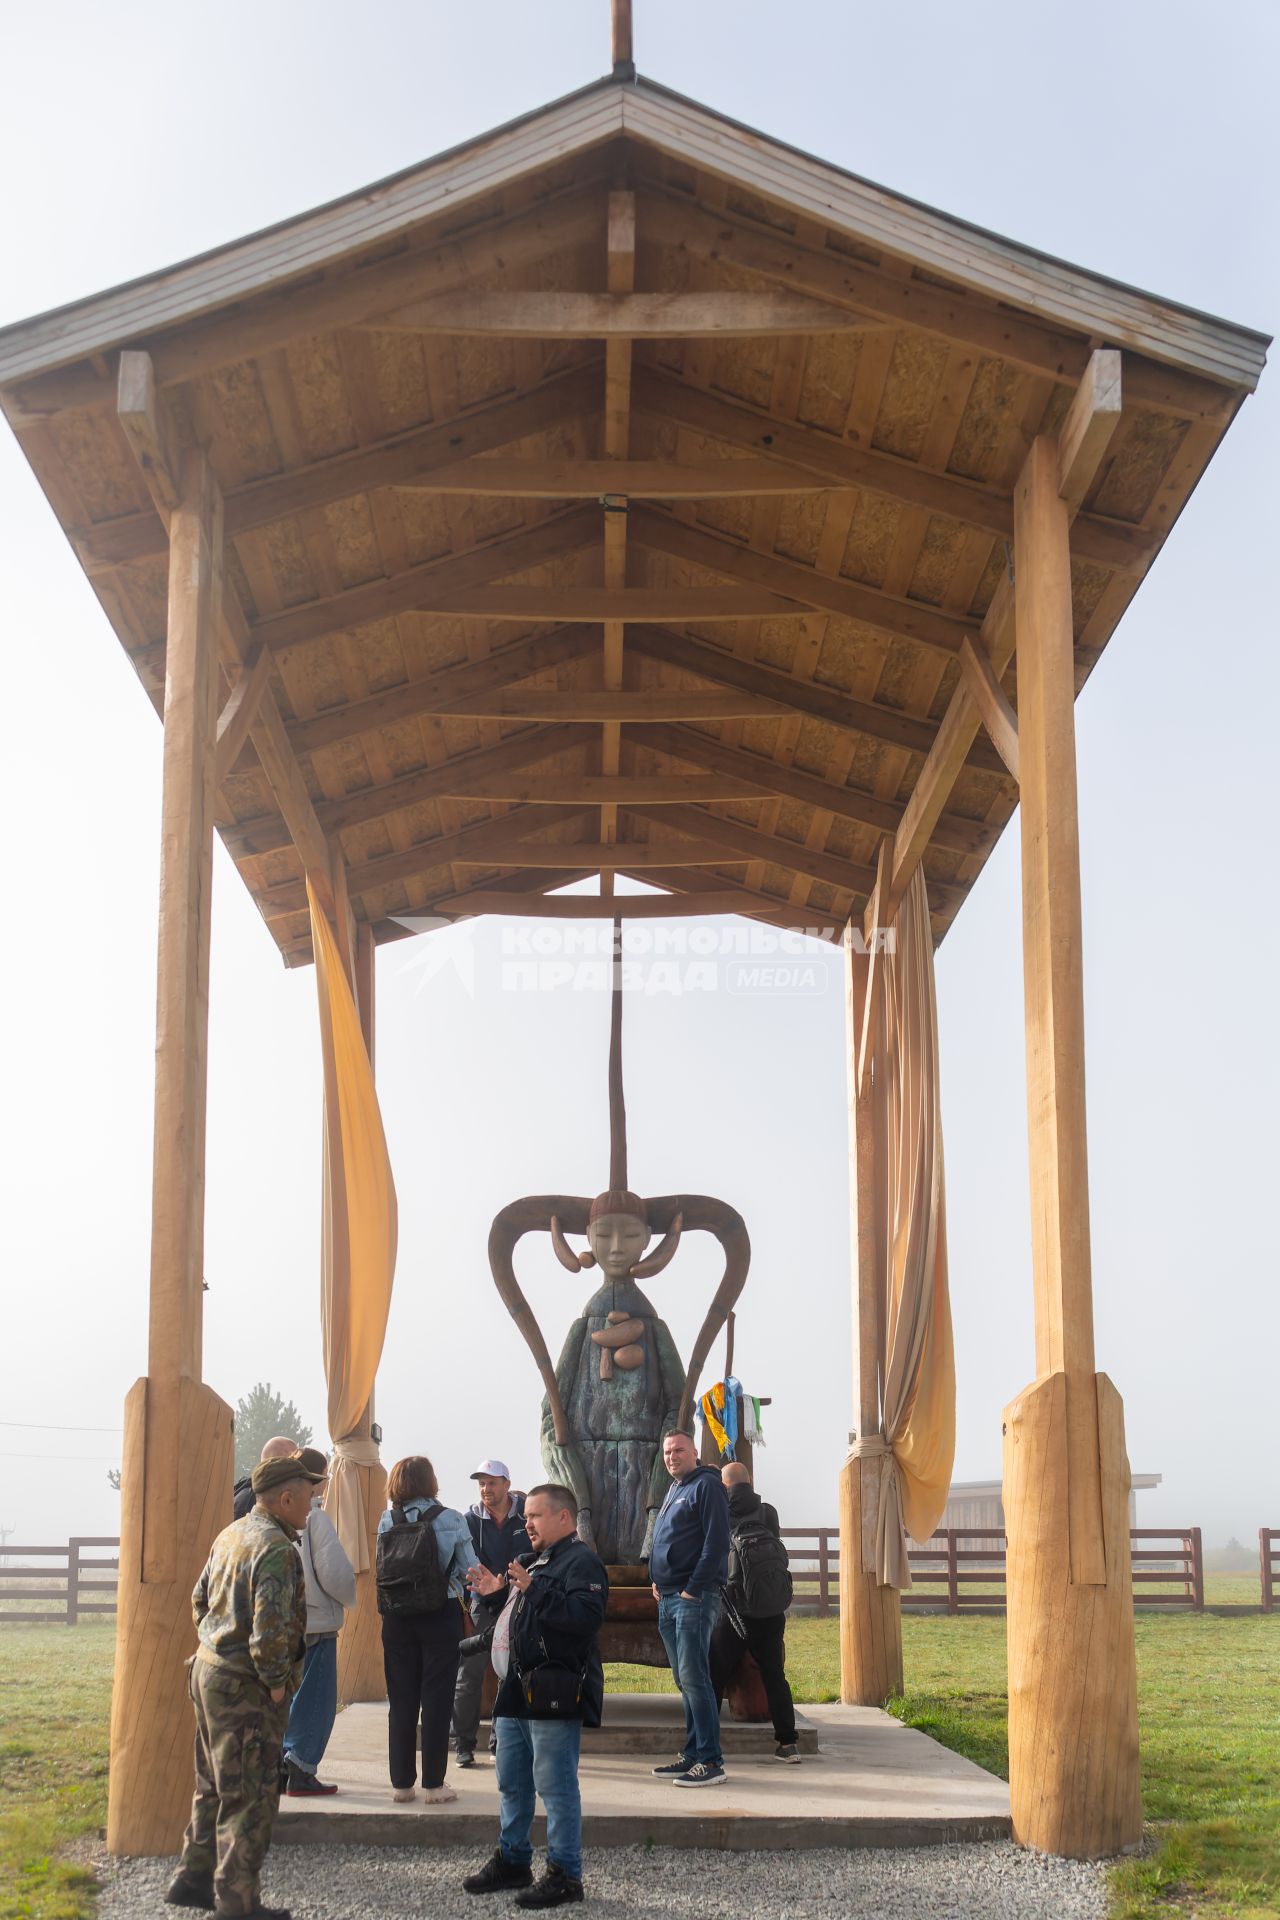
625	492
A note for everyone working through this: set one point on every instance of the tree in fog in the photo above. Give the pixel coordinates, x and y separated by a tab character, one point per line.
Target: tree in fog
261	1415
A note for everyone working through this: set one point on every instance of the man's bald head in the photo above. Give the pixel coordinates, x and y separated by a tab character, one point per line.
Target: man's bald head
734	1474
279	1448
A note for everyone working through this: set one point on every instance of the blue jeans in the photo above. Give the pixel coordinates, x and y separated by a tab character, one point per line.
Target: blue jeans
685	1626
315	1706
540	1757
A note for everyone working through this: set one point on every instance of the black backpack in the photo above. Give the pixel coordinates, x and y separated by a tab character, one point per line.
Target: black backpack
759	1580
410	1577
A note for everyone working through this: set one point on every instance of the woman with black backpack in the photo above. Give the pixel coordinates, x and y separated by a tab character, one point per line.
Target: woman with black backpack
424	1553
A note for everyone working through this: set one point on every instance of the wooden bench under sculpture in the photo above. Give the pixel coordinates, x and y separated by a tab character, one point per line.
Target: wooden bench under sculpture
620	1386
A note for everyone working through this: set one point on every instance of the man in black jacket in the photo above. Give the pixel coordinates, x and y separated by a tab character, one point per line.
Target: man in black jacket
739	1631
496	1523
553	1686
243	1496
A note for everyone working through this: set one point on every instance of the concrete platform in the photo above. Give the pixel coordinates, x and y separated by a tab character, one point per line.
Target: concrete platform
873	1783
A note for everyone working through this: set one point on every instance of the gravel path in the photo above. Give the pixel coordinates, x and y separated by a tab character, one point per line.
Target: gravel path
991	1882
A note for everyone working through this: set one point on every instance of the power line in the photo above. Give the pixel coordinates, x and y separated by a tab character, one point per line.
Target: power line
46	1426
57	1456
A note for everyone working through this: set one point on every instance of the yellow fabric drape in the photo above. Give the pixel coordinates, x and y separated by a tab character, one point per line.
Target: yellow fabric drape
358	1255
918	1410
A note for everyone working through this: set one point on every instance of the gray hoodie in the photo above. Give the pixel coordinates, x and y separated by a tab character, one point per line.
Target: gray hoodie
331	1580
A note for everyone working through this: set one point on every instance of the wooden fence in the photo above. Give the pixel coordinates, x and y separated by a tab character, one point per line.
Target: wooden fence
1268	1554
64	1583
962	1569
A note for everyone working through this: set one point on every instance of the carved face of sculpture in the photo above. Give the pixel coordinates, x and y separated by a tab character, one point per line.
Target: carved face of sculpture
618	1241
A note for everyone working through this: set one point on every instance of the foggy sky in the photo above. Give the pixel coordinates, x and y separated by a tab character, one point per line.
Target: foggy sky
1073	128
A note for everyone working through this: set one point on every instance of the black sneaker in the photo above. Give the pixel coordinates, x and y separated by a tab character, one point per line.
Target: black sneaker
707	1773
304	1785
498	1875
183	1891
464	1759
788	1751
554	1889
673	1768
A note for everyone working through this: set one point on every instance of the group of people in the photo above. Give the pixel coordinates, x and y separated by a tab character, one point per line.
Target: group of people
270	1601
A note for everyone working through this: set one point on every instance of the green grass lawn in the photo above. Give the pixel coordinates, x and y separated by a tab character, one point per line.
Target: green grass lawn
55	1698
1209	1703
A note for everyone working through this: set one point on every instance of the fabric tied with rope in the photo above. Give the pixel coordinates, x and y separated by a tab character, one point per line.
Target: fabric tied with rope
918	1394
358	1246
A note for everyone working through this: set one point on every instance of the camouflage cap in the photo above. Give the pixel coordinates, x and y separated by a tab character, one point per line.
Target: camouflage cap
269	1474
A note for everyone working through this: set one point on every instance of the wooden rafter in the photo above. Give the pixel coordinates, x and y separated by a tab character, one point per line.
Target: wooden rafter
759	776
468	777
436	585
835	461
435	693
827	704
270	318
751	844
467	845
887	613
423	457
697	883
949	312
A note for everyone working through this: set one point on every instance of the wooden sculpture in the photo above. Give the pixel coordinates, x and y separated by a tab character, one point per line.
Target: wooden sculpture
620	1386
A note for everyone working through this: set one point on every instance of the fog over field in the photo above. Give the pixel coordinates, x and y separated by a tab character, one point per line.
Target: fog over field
170	139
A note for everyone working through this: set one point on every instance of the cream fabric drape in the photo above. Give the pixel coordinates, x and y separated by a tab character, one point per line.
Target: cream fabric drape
358	1256
918	1409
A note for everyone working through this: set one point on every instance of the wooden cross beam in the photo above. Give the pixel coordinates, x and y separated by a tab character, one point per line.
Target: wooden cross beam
151	436
1086	433
618	314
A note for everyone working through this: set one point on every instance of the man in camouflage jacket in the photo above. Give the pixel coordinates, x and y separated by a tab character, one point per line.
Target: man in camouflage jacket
251	1617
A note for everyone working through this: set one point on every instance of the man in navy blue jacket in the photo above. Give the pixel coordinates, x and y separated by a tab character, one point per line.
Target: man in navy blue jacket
688	1565
498	1535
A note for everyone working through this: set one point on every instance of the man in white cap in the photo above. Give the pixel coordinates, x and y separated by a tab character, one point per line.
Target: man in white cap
498	1535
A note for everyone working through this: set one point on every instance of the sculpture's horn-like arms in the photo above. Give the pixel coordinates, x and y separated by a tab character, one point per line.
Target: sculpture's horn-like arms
533	1215
663	1253
700	1213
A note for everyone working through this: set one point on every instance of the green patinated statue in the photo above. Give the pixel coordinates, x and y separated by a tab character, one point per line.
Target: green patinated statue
620	1386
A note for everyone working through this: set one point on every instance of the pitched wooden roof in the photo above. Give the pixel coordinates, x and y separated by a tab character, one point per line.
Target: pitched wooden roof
487	648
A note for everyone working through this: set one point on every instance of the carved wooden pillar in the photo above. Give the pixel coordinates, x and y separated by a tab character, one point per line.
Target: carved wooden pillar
1073	1733
178	1448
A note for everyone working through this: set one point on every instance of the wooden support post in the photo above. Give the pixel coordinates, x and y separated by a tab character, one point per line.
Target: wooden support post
1073	1742
870	1615
176	1477
621	274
